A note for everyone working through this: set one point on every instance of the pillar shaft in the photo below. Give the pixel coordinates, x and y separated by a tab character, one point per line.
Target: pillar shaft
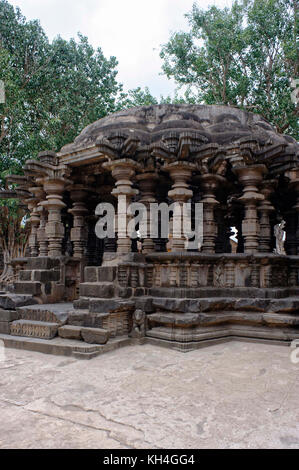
180	172
54	228
147	187
123	171
210	183
79	232
251	177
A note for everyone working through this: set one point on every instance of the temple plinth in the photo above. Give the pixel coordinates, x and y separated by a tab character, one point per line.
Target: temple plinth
240	279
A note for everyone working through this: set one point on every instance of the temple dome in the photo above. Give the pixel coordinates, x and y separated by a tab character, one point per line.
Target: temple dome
223	125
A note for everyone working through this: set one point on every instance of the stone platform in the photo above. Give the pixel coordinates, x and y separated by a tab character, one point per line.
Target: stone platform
227	396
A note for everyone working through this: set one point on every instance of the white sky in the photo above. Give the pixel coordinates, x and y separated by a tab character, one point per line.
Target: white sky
130	30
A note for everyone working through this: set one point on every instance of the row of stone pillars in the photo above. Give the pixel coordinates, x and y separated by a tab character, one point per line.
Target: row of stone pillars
47	232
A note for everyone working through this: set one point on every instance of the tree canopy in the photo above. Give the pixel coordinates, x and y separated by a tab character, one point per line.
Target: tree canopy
52	90
242	56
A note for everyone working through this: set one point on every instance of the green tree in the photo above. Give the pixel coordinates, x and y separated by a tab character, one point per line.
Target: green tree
241	56
136	97
53	90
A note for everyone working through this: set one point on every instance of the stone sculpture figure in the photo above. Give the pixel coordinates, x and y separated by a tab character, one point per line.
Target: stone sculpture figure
279	234
138	330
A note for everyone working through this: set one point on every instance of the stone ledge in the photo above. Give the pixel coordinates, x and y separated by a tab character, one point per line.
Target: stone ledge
33	329
70	332
95	335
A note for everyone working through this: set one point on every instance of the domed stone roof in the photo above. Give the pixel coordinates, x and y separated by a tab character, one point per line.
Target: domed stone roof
222	125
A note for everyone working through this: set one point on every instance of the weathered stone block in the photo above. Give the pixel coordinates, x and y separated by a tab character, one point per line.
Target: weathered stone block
34	329
5	327
27	287
8	315
12	301
70	332
90	274
97	290
105	305
95	335
25	275
45	276
81	304
106	273
43	263
124	292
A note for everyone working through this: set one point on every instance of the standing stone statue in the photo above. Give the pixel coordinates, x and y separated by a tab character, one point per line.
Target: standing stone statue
138	330
279	234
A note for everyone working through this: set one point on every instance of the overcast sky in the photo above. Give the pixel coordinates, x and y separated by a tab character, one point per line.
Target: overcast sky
130	30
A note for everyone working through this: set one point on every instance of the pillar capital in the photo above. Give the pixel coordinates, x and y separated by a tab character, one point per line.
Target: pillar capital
180	172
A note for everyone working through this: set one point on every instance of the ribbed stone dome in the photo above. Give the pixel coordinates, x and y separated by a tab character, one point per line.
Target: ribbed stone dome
223	125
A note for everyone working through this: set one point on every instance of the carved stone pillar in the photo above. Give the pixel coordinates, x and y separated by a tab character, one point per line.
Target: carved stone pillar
147	187
79	232
264	209
250	177
34	223
54	228
209	183
41	232
180	172
123	171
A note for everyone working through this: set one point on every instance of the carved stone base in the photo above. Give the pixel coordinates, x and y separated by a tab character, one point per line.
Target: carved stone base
34	329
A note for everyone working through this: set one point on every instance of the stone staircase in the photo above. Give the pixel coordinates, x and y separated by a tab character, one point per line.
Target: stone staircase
45	328
191	316
101	305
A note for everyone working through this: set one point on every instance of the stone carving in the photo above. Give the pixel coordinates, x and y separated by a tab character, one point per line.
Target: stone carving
280	237
138	330
231	161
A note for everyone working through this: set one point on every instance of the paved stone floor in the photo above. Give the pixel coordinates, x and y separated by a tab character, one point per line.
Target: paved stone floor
230	395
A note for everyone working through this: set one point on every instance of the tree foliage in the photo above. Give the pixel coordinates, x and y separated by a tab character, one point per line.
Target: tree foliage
53	90
241	56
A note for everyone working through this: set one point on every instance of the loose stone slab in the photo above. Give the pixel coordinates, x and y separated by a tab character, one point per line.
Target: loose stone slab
5	327
8	315
34	329
70	332
11	301
95	335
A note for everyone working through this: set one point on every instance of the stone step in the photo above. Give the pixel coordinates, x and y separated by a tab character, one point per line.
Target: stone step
195	336
218	318
70	332
42	263
239	292
89	335
6	317
103	305
10	301
53	313
100	274
27	287
39	275
63	347
283	305
96	289
34	329
95	335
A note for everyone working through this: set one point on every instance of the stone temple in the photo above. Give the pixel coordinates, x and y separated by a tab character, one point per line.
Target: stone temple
80	295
